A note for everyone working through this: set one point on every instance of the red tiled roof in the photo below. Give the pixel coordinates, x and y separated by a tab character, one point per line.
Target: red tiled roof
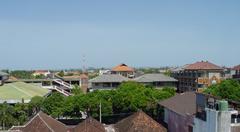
236	67
203	65
89	125
122	68
41	123
139	121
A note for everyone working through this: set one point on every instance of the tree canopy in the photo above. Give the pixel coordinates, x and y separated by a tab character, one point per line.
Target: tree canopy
227	89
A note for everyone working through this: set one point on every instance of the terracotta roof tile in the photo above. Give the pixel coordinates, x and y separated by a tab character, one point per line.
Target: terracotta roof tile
139	121
203	65
89	125
122	68
41	123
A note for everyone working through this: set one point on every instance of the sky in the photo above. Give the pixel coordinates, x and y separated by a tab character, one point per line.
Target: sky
60	34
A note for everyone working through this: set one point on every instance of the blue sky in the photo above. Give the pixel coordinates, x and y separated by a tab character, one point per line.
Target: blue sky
57	34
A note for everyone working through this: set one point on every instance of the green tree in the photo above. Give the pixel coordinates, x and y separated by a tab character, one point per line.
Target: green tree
7	116
35	104
227	89
77	90
21	113
54	105
21	74
61	74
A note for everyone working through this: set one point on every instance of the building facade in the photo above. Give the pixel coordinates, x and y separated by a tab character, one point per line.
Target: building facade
123	70
237	72
179	112
198	75
213	115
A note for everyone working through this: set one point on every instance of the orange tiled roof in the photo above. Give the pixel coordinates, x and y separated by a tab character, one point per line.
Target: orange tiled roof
123	67
203	65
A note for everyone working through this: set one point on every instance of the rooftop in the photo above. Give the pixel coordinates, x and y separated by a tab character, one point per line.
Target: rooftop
139	121
3	73
236	67
89	125
155	78
183	104
109	78
41	122
122	68
203	65
19	91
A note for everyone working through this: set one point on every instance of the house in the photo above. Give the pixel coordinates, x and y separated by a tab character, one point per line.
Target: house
193	77
179	112
41	72
89	125
107	81
215	115
104	71
123	70
157	80
3	77
41	123
237	72
139	122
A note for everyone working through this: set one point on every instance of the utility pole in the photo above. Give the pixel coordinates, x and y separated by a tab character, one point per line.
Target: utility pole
100	112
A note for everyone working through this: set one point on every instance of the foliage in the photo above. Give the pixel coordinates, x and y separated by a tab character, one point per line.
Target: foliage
22	74
128	98
7	115
227	89
168	73
40	77
54	105
61	74
35	104
77	90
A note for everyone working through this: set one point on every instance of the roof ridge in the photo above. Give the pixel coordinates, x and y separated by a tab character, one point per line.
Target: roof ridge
46	123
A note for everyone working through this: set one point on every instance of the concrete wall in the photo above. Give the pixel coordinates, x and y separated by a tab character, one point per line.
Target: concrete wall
177	122
216	121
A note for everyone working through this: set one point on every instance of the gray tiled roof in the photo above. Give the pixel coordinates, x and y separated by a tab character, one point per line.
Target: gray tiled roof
183	104
3	73
109	78
155	78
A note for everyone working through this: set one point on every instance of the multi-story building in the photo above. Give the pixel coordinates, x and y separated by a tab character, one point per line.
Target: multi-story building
237	72
193	77
215	115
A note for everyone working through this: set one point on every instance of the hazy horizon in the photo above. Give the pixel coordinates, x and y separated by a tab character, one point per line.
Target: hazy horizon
57	34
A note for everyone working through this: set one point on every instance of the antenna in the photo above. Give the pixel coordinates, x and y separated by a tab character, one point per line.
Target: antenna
83	63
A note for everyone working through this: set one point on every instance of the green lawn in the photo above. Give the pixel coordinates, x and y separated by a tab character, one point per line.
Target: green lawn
20	90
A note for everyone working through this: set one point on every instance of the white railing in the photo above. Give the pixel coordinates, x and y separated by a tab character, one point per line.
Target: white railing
62	91
67	85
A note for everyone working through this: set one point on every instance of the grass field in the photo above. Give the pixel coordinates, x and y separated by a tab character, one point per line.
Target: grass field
20	90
